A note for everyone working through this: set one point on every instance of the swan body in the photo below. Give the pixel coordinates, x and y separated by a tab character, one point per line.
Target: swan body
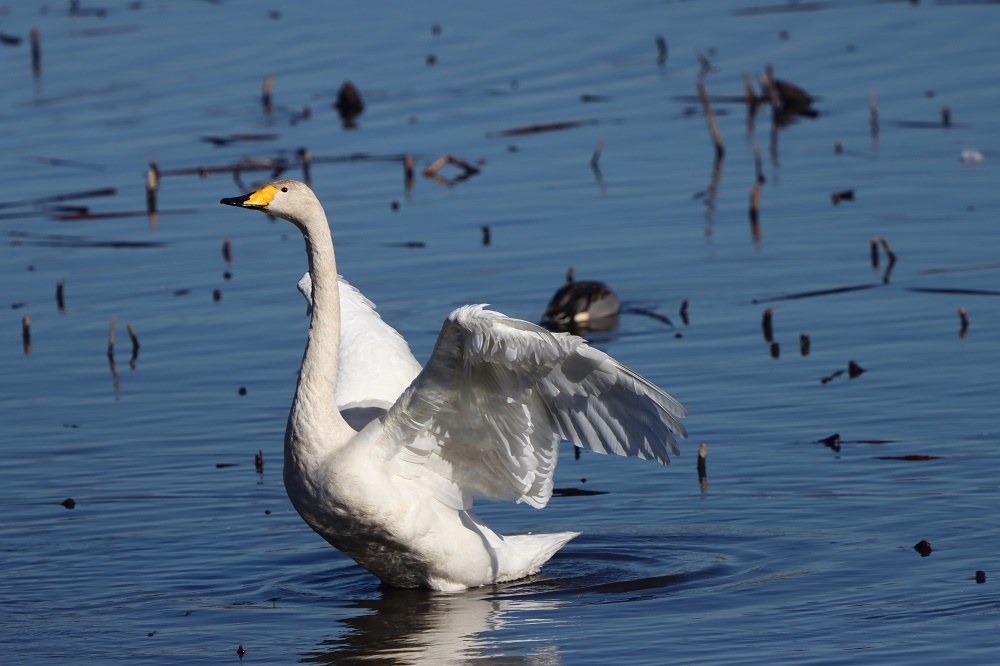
483	418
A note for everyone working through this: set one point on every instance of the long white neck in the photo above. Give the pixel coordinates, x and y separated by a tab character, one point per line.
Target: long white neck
315	426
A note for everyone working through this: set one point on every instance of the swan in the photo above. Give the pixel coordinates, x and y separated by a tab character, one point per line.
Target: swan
483	418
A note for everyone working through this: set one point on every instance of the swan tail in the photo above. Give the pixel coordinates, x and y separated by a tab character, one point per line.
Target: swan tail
524	554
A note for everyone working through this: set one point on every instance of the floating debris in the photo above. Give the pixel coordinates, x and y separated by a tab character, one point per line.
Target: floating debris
69	503
923	548
843	195
971	157
830	378
226	250
963	317
468	170
804	344
242	390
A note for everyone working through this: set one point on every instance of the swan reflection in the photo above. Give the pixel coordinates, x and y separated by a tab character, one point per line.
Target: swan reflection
421	627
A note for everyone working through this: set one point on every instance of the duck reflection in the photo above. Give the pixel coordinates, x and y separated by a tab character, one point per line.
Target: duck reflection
422	627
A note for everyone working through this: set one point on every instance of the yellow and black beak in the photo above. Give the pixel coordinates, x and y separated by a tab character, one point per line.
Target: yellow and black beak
259	199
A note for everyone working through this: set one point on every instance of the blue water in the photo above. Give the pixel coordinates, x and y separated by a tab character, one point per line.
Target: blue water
177	550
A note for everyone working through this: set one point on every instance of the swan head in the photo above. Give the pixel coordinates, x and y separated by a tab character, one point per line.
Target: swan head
288	199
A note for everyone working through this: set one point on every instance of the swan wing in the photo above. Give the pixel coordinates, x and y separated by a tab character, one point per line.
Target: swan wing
485	416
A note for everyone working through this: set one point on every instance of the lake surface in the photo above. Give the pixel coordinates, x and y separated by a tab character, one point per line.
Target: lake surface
177	550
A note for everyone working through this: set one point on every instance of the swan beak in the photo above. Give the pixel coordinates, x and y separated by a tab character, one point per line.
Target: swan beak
259	199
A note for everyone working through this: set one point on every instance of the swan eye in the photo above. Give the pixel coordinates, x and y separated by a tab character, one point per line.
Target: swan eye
284	189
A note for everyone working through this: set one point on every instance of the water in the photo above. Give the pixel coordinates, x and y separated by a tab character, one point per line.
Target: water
178	551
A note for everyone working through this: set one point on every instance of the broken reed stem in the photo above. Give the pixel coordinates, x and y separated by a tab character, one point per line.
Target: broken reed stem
755	213
684	311
768	325
758	164
226	251
307	157
873	108
408	171
60	303
945	117
706	105
596	157
772	88
804	344
135	345
702	466
888	250
111	341
661	50
26	333
36	52
750	93
963	317
152	185
265	97
874	251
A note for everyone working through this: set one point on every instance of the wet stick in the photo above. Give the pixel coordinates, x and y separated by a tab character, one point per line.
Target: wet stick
26	333
226	250
111	341
873	111
702	466
306	156
152	186
754	213
768	325
265	97
408	171
874	252
135	345
36	52
963	317
713	127
60	303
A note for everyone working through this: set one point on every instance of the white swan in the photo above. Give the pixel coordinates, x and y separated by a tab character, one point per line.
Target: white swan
483	418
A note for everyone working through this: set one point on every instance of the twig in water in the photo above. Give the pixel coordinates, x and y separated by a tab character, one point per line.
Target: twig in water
226	250
873	109
767	325
265	97
60	303
306	156
874	251
706	105
661	50
702	472
111	341
684	312
754	213
408	171
963	316
135	346
26	333
596	157
152	185
36	52
804	344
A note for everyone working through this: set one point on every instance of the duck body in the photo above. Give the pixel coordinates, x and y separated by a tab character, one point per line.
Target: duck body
483	418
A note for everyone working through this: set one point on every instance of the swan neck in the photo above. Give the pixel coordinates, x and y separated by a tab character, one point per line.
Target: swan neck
315	424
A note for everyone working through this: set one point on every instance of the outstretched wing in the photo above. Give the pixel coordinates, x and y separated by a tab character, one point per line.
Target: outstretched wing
485	416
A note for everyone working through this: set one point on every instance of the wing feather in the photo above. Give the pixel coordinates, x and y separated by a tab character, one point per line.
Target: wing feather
485	416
